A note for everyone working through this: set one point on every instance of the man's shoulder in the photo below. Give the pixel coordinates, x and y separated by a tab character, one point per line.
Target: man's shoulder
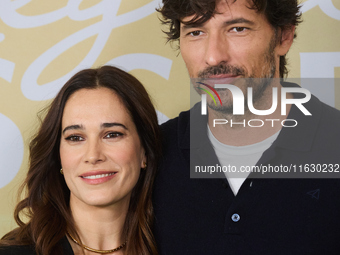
330	118
176	130
182	122
330	112
326	140
324	113
178	123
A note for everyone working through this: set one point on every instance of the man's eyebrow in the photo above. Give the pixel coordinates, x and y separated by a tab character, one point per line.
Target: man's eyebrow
73	127
239	20
113	124
227	23
191	25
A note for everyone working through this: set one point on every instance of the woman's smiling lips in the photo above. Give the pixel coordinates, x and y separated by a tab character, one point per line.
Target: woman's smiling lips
97	177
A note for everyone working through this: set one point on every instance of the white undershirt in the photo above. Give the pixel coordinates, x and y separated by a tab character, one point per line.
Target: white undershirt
239	157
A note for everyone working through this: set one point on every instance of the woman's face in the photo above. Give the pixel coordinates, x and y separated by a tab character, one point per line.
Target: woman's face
100	150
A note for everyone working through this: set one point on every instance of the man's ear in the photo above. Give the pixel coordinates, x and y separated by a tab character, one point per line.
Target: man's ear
285	40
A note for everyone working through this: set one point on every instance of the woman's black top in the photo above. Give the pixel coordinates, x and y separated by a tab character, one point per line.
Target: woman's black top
29	250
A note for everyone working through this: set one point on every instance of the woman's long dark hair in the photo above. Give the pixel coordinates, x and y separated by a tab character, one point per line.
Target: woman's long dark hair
47	202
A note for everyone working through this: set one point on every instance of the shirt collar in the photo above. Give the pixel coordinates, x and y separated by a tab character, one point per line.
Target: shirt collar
299	138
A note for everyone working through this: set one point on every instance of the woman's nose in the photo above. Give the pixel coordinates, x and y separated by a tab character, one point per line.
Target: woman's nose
94	152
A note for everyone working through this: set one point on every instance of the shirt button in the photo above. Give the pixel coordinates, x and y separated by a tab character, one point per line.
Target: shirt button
235	217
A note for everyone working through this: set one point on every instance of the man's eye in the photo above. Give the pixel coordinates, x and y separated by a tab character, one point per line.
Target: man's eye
113	135
74	138
239	29
195	33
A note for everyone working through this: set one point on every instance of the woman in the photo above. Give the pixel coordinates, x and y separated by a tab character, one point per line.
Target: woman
92	166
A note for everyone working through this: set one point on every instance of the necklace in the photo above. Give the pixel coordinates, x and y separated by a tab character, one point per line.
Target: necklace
94	250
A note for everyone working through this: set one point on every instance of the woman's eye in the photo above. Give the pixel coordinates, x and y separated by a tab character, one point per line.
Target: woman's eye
239	29
195	33
113	135
74	138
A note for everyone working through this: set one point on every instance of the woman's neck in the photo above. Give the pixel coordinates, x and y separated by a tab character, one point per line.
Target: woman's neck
98	227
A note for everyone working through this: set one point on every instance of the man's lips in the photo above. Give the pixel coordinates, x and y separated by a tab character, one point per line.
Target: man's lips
221	76
220	79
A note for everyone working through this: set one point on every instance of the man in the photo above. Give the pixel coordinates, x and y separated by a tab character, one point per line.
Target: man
244	43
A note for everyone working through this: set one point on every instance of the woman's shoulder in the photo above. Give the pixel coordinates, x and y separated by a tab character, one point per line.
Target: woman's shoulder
29	249
17	250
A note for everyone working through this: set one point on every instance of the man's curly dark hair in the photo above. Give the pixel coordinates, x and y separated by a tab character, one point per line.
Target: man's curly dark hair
280	14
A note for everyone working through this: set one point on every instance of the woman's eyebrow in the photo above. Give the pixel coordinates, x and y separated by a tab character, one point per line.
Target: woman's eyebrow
73	127
112	124
103	125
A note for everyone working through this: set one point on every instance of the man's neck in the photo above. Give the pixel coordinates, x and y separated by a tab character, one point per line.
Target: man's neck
240	130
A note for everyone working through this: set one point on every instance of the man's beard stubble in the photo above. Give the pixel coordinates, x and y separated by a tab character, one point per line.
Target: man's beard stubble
259	84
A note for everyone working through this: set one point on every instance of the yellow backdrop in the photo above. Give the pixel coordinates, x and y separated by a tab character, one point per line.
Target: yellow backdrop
44	42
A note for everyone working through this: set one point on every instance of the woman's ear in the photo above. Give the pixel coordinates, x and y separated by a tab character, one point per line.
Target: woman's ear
144	160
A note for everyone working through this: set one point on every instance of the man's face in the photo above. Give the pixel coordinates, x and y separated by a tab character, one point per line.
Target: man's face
237	42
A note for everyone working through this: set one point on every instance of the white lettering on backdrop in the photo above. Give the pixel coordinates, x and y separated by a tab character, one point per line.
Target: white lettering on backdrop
325	5
11	142
11	150
320	64
102	29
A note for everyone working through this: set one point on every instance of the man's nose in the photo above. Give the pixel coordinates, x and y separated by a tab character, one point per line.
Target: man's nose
217	50
94	152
